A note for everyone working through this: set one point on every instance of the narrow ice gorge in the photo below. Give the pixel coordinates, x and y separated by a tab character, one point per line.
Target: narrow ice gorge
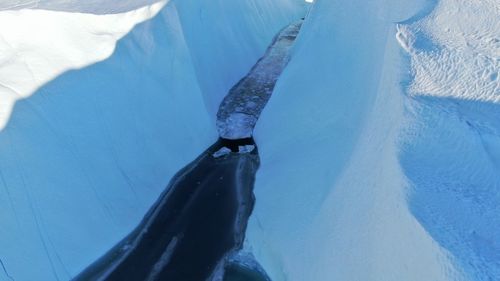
99	111
196	228
380	146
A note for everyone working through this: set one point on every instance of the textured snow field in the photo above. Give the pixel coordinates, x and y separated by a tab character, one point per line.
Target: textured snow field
98	112
450	150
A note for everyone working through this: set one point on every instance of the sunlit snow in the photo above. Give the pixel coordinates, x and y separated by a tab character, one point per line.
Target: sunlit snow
37	46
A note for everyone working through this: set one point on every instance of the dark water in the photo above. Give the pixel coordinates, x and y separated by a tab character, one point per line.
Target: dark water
199	220
235	272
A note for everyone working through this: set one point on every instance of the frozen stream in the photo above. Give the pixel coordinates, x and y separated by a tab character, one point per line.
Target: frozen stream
241	108
197	226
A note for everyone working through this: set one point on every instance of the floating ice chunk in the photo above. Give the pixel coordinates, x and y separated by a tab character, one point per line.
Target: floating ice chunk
221	152
246	148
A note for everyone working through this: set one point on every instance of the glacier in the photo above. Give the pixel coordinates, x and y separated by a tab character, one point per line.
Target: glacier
380	146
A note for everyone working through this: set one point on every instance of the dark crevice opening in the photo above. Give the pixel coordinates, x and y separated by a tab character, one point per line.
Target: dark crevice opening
234	144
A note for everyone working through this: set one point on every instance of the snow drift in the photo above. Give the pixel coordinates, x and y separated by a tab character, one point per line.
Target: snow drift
380	146
97	113
450	150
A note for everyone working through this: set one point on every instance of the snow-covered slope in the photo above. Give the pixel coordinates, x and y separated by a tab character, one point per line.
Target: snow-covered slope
88	6
450	149
369	173
98	111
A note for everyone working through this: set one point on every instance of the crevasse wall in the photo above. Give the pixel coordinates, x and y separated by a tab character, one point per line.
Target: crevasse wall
226	38
332	191
97	115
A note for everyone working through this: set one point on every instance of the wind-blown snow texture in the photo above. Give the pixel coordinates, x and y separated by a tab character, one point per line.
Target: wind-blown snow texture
380	146
450	149
97	112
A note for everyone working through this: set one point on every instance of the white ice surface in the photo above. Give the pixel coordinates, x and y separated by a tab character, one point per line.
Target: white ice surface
98	112
380	146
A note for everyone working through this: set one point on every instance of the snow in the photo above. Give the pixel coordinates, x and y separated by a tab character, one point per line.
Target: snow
81	39
380	146
452	58
450	150
88	6
98	111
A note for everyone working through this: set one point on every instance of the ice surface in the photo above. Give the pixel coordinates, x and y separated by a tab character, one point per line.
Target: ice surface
241	108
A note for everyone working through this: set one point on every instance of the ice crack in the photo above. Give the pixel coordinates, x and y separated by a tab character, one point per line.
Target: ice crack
5	271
